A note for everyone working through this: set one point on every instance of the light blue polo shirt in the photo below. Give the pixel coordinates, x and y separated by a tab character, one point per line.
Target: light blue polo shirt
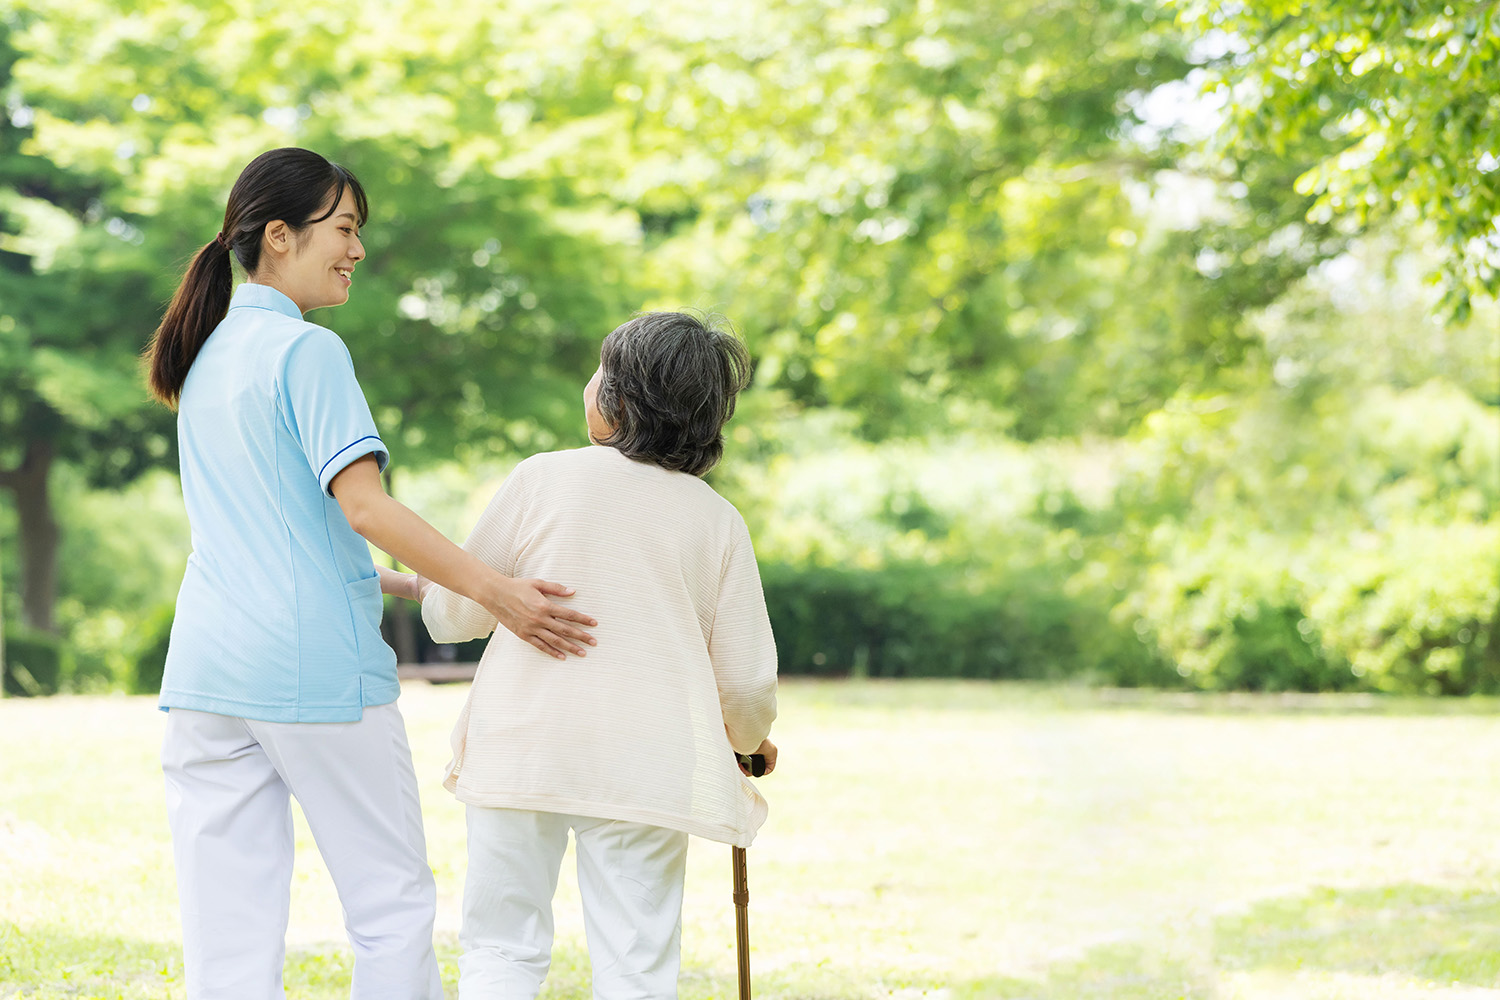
278	617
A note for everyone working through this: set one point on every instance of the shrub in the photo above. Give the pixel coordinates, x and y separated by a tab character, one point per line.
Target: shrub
1411	609
1417	609
150	658
1274	647
906	620
36	663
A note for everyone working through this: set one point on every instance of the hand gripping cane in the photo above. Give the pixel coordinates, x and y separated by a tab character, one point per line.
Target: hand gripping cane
756	765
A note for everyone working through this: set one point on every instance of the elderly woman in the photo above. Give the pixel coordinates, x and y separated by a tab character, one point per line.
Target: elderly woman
633	748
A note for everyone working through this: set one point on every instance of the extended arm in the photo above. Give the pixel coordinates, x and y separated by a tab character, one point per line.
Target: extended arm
398	584
494	540
523	606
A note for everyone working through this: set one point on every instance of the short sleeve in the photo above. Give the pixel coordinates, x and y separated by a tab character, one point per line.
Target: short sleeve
325	408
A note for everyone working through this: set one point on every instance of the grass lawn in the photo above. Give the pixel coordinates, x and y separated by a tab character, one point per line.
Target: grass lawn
949	840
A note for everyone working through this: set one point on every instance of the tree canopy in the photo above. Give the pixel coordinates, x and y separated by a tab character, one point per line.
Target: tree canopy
1389	105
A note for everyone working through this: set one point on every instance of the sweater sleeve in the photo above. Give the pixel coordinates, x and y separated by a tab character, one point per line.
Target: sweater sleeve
451	617
742	649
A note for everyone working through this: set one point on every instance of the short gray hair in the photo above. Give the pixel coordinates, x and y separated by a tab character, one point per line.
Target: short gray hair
667	385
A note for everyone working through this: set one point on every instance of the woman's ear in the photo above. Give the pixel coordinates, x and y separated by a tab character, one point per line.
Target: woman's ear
277	238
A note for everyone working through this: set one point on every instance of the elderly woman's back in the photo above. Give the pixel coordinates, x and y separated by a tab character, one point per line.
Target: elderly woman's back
685	670
631	748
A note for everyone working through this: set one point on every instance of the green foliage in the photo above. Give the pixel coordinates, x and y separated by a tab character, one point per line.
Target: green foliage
1333	523
909	620
1395	99
919	212
70	270
929	214
478	280
149	659
35	663
122	560
1276	649
1046	386
1419	610
1378	570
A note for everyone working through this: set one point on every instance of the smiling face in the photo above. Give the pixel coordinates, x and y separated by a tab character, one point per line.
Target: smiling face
314	268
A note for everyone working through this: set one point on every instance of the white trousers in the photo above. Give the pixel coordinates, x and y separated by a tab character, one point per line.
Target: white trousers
630	877
228	787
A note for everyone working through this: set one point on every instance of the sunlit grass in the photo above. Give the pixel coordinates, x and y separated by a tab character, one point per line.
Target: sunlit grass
957	840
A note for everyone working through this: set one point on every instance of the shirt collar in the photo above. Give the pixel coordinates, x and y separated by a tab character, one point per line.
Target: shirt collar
256	296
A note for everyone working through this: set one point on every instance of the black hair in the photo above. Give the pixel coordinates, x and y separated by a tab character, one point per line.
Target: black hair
667	385
289	184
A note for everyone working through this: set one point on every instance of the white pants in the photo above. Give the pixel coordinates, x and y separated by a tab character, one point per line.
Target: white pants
228	787
630	876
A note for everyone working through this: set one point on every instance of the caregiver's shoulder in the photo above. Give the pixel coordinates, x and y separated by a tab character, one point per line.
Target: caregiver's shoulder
298	341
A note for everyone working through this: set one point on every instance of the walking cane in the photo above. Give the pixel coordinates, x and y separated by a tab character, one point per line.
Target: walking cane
756	765
742	919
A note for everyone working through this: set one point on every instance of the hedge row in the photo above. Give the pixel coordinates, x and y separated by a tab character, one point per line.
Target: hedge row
931	621
1403	634
35	663
916	620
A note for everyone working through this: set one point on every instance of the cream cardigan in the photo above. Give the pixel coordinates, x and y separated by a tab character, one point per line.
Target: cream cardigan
641	729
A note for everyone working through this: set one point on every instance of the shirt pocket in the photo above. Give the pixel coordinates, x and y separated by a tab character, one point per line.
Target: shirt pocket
365	611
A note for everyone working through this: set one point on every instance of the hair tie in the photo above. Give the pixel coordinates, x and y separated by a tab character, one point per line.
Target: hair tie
219	239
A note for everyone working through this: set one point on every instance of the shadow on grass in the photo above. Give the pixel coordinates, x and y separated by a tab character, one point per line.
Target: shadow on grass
1412	932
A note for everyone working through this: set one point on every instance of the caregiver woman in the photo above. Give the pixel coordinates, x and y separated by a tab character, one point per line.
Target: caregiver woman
278	682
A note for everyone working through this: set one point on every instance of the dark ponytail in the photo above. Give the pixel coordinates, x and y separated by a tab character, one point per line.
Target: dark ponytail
200	303
289	184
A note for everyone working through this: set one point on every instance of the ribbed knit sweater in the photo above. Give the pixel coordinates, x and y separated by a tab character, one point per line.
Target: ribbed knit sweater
642	728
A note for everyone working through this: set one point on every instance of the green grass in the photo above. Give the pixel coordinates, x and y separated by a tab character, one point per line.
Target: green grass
952	840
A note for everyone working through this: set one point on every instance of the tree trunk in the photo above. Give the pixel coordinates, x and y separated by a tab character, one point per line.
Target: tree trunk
39	534
403	634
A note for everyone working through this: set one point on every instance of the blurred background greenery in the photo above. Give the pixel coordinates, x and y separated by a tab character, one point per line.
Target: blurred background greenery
1131	342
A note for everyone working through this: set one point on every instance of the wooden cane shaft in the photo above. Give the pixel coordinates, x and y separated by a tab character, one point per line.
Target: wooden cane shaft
742	919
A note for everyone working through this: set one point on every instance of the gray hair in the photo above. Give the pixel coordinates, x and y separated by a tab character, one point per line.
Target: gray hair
667	384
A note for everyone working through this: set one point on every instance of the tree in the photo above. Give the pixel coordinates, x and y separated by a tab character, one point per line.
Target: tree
935	215
69	389
1403	93
915	203
477	314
